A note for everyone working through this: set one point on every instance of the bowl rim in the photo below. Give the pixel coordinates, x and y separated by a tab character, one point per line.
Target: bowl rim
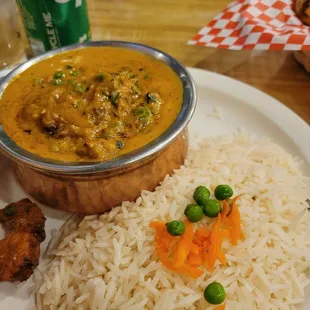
9	148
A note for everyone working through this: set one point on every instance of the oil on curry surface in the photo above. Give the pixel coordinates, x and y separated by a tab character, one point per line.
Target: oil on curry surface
91	104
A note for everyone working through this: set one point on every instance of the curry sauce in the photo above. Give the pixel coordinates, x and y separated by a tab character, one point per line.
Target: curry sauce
91	104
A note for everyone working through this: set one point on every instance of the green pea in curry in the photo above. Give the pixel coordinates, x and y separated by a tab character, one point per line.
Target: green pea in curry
91	104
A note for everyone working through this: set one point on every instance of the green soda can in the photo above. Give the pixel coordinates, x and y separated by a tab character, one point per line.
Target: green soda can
52	24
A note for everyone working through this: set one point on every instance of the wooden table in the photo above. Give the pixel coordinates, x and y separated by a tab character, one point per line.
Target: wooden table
169	24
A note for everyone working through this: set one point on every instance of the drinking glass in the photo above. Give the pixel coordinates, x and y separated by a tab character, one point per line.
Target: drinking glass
12	50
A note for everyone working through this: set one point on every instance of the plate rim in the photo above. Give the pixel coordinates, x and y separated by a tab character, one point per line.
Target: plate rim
286	119
251	96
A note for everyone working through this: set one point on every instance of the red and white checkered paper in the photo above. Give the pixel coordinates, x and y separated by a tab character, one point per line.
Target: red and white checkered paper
255	24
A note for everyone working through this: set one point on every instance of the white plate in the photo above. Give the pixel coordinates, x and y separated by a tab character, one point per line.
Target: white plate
239	105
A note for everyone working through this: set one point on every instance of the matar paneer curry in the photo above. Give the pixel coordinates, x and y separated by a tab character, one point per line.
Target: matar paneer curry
91	104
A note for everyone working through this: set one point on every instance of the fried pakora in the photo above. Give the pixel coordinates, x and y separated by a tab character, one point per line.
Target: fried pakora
25	216
19	256
24	224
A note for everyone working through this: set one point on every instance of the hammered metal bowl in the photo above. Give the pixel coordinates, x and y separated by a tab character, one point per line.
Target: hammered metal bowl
95	187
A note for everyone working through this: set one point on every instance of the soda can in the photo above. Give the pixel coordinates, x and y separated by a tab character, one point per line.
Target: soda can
52	24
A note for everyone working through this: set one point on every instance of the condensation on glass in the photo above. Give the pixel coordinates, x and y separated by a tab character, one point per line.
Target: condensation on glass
12	50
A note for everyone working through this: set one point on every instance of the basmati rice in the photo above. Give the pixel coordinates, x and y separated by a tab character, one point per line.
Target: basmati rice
109	261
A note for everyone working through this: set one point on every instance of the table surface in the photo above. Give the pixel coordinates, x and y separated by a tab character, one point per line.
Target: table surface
169	24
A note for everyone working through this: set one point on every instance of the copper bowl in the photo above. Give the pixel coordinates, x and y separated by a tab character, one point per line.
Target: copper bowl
95	187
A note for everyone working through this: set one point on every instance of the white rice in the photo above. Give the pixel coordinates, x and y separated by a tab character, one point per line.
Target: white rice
109	261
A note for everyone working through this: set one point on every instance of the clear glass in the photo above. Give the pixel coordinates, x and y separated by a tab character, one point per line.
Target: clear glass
11	44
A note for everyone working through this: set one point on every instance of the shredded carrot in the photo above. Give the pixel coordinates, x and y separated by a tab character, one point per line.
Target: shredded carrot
194	249
193	272
202	233
226	233
200	247
220	307
205	256
234	219
221	257
225	209
194	260
197	241
214	242
184	246
200	236
163	258
220	254
157	225
162	236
